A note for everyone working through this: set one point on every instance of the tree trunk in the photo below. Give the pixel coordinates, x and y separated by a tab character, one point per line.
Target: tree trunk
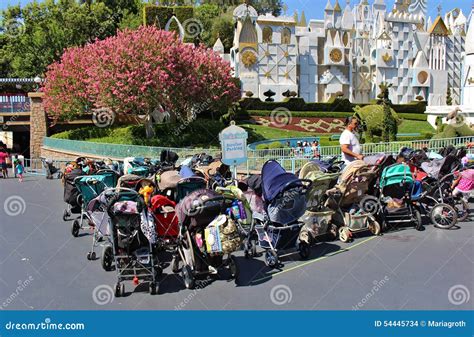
149	129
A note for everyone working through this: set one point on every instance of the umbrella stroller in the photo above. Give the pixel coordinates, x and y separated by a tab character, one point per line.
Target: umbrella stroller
317	218
90	187
285	202
132	236
166	220
208	233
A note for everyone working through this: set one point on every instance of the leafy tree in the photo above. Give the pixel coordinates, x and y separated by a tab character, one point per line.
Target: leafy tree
449	99
223	28
262	6
144	72
206	15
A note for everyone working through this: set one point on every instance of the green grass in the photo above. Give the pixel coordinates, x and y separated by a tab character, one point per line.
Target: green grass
408	126
204	134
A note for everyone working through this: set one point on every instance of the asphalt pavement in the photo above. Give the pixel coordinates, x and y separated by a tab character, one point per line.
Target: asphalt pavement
43	267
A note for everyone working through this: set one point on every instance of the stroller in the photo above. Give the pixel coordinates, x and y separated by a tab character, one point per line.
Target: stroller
317	218
399	193
166	220
437	186
208	233
131	241
71	193
51	169
176	185
90	187
136	166
348	201
285	202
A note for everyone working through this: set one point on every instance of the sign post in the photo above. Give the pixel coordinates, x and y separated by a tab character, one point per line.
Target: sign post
234	146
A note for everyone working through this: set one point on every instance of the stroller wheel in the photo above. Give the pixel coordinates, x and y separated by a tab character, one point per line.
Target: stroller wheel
374	227
175	264
253	247
418	220
333	232
344	234
153	288
188	277
234	271
107	258
91	256
66	215
443	216
75	228
462	210
119	289
305	250
271	258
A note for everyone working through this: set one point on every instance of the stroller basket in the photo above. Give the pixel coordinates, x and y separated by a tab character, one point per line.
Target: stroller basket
317	222
280	238
356	221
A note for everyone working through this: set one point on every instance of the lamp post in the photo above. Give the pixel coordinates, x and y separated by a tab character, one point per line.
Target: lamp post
37	81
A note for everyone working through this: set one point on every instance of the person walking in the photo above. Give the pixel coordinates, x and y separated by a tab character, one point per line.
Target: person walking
19	169
350	146
3	162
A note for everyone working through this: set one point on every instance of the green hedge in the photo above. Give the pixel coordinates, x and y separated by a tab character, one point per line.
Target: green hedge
160	15
312	114
413	116
339	105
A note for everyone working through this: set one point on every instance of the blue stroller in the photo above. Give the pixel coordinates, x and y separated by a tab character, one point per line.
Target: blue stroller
285	202
89	188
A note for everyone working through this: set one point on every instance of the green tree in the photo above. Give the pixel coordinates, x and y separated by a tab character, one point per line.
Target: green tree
206	15
223	28
449	99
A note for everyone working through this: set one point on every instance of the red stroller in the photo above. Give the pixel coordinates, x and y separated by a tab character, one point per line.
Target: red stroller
166	220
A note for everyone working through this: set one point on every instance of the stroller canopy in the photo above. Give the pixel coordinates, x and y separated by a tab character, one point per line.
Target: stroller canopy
438	168
275	179
396	174
169	157
169	180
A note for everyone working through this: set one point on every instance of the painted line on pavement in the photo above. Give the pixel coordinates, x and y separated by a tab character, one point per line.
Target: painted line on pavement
300	265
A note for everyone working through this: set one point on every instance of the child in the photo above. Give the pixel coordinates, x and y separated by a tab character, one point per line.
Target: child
19	169
464	183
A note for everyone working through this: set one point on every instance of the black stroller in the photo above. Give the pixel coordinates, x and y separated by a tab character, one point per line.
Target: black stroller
207	236
131	234
285	202
71	193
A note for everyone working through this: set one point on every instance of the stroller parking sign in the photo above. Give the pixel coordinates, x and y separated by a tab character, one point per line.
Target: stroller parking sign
234	145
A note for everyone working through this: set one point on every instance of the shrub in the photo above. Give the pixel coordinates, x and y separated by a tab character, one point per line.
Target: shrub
413	117
275	145
262	146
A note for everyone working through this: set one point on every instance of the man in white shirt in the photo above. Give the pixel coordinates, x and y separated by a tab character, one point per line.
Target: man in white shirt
350	145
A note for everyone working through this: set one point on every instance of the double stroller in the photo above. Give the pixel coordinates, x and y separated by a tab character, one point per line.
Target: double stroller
209	233
131	244
278	230
177	184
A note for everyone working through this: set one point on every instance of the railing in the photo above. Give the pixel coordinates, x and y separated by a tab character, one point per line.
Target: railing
291	159
14	103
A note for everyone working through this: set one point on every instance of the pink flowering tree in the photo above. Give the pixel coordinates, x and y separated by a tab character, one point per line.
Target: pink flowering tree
145	72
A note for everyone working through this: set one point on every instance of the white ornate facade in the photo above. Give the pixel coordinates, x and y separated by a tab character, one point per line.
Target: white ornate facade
351	51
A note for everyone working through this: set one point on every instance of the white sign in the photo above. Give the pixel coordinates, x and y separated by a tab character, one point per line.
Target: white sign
234	145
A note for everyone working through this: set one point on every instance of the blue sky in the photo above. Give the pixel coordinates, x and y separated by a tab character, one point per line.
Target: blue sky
314	8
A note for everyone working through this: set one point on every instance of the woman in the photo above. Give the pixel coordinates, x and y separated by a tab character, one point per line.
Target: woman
3	162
